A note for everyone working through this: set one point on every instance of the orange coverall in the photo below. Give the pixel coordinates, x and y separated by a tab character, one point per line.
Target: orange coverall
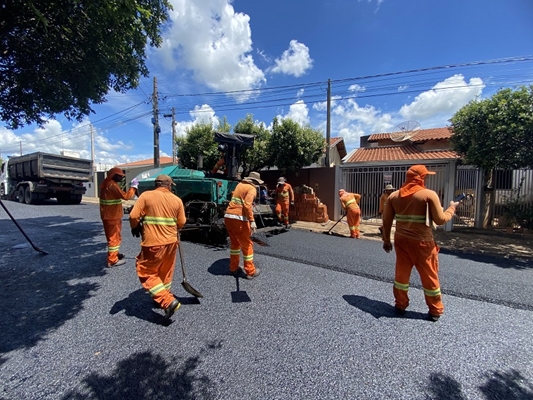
111	196
237	219
284	197
414	244
162	215
349	202
382	200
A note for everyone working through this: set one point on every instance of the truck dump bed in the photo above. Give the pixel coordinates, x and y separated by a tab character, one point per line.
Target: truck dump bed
53	167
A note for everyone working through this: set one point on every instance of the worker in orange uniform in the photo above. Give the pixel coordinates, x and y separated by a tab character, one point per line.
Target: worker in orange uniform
415	207
111	196
240	224
284	199
382	200
350	203
158	215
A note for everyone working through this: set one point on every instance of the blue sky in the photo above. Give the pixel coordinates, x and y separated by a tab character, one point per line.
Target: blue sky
273	58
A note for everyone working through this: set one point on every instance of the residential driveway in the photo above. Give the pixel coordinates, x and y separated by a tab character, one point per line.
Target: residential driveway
317	324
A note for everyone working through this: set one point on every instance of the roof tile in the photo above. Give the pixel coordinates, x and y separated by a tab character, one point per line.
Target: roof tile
421	136
398	153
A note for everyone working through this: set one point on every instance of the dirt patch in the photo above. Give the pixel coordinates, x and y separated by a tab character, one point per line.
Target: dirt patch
492	243
467	241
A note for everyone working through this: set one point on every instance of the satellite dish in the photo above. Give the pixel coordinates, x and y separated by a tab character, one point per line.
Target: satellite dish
405	130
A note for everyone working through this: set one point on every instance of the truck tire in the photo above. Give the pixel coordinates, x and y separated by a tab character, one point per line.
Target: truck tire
21	194
27	195
2	190
63	198
75	199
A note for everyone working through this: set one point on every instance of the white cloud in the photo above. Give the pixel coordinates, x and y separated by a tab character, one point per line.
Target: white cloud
214	42
294	61
298	112
200	114
356	88
445	97
402	88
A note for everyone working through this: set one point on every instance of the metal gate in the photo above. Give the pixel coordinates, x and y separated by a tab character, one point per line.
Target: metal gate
468	180
370	181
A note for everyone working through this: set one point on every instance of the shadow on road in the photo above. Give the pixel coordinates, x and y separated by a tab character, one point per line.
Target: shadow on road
38	293
512	261
219	267
379	309
510	385
149	376
139	305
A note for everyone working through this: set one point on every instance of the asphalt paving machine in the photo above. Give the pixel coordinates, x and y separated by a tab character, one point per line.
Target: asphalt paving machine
206	195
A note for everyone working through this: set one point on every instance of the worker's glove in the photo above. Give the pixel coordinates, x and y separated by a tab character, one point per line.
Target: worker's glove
137	231
253	226
134	183
292	203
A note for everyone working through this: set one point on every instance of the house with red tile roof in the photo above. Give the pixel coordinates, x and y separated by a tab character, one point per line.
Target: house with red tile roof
427	145
164	161
380	161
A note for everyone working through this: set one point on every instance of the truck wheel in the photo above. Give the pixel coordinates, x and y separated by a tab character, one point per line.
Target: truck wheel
21	194
2	190
63	198
75	199
28	195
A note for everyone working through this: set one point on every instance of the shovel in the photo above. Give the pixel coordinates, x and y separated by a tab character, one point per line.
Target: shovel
186	285
20	228
330	229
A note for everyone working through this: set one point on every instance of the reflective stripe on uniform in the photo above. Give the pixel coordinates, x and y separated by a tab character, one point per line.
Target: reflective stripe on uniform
432	292
401	286
349	202
411	218
354	227
234	252
233	216
159	221
110	202
156	289
237	200
111	249
249	257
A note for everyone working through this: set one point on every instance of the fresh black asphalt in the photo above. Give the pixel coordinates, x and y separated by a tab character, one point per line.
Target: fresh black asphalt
317	324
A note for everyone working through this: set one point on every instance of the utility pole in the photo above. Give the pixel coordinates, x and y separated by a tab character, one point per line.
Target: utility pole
174	150
328	123
173	134
20	143
92	148
155	122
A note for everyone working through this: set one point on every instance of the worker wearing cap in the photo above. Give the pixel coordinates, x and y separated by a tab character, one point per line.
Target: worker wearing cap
382	200
158	215
240	224
415	207
284	199
111	196
350	203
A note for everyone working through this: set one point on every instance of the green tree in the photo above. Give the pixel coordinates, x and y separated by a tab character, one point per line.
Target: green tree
199	140
496	132
61	56
293	146
256	157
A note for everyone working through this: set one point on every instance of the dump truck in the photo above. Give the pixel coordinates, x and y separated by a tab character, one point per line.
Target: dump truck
35	177
206	195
